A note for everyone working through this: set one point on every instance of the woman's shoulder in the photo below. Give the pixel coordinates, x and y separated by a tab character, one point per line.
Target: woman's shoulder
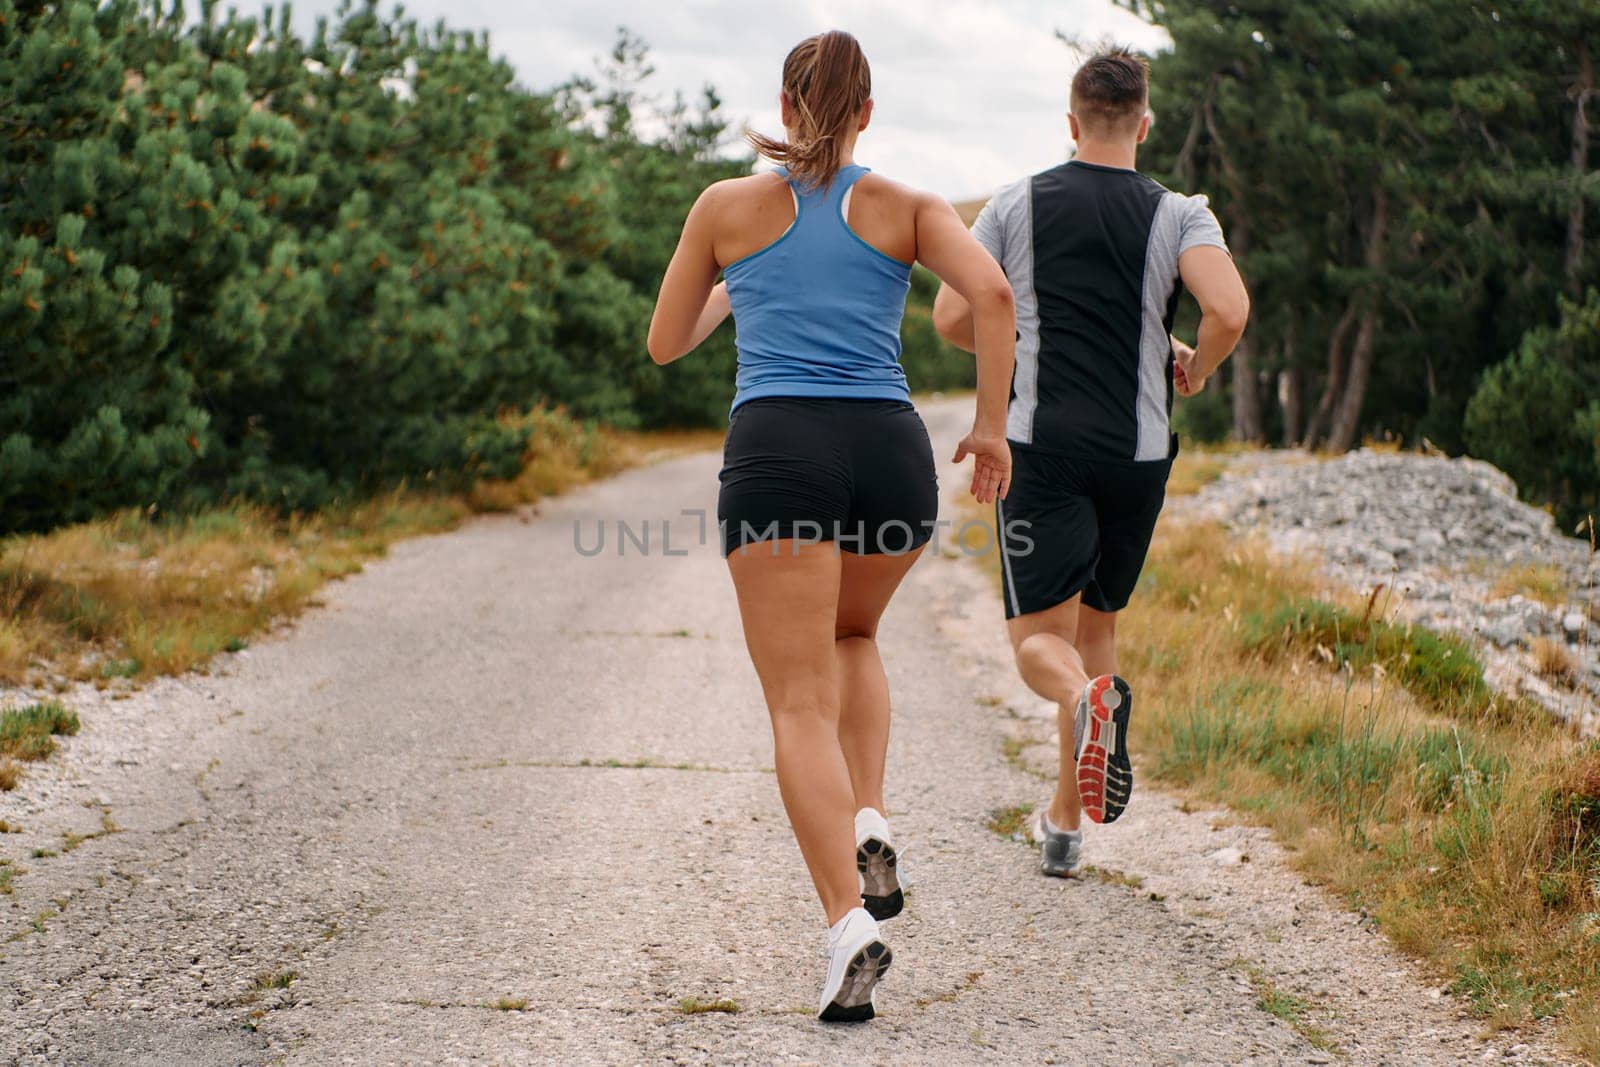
733	191
880	186
887	192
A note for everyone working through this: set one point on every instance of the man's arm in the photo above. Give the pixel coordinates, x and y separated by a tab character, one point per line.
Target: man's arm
952	317
1208	272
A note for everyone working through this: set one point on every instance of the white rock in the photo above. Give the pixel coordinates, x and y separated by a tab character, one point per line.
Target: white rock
1437	533
1504	631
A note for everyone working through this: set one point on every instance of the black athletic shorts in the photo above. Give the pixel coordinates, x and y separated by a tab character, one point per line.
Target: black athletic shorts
856	472
1074	525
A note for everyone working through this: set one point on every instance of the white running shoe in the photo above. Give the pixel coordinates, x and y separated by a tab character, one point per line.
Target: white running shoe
1060	851
882	890
857	958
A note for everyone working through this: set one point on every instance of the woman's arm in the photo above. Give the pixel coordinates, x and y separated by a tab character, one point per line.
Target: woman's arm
689	305
945	247
717	308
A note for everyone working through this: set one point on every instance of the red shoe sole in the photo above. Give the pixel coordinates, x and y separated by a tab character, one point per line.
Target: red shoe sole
1105	776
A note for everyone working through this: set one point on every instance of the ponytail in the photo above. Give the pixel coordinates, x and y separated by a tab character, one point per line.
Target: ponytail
828	82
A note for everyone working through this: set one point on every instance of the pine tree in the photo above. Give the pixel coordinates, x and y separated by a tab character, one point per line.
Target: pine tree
1406	187
96	411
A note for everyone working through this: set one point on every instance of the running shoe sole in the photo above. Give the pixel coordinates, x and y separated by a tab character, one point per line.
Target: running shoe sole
853	1002
881	894
1105	777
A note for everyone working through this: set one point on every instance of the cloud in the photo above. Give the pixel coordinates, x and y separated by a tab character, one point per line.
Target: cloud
969	94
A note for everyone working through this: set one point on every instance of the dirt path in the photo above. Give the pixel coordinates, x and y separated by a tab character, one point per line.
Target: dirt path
499	802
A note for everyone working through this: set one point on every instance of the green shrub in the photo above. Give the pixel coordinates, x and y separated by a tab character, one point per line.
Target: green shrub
931	363
1206	419
239	263
1537	415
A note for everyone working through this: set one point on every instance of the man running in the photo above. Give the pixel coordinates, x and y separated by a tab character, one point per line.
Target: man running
1097	255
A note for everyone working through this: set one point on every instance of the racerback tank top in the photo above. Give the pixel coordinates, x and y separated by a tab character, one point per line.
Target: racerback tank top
817	312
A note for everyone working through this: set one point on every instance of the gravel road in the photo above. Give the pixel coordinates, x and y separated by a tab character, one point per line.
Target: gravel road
500	802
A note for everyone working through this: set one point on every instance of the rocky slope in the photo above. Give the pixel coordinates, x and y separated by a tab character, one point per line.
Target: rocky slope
1452	545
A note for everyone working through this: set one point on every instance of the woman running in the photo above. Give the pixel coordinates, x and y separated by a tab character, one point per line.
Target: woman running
828	485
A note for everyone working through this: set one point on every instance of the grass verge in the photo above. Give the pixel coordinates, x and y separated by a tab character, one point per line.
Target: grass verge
1465	824
130	596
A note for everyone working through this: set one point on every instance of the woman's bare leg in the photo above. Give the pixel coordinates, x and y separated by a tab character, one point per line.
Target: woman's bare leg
788	598
866	584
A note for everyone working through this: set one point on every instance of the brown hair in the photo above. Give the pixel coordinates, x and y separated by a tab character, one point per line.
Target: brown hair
1111	90
828	82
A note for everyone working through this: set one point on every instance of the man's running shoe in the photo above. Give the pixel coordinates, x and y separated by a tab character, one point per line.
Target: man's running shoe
1060	851
857	958
881	891
1105	777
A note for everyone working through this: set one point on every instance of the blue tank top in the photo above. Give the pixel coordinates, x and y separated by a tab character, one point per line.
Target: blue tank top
817	312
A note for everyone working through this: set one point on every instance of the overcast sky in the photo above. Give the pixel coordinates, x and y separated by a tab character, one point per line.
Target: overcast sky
970	93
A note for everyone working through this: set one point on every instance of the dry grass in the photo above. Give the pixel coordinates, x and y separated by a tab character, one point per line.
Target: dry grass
131	597
1194	472
1467	825
968	209
705	1006
1009	822
561	454
653	445
1383	760
510	1004
1555	661
1536	581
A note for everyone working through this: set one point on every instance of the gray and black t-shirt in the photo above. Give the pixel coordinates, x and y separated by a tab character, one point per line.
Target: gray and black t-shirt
1092	255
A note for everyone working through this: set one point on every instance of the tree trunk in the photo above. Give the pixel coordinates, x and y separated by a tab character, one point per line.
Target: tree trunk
1289	388
1289	404
1334	383
1580	169
1347	419
1246	393
1184	167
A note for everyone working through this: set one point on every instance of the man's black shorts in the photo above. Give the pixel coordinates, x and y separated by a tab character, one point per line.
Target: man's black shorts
856	472
1089	522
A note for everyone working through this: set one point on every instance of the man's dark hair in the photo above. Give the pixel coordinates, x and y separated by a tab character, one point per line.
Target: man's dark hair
1111	90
